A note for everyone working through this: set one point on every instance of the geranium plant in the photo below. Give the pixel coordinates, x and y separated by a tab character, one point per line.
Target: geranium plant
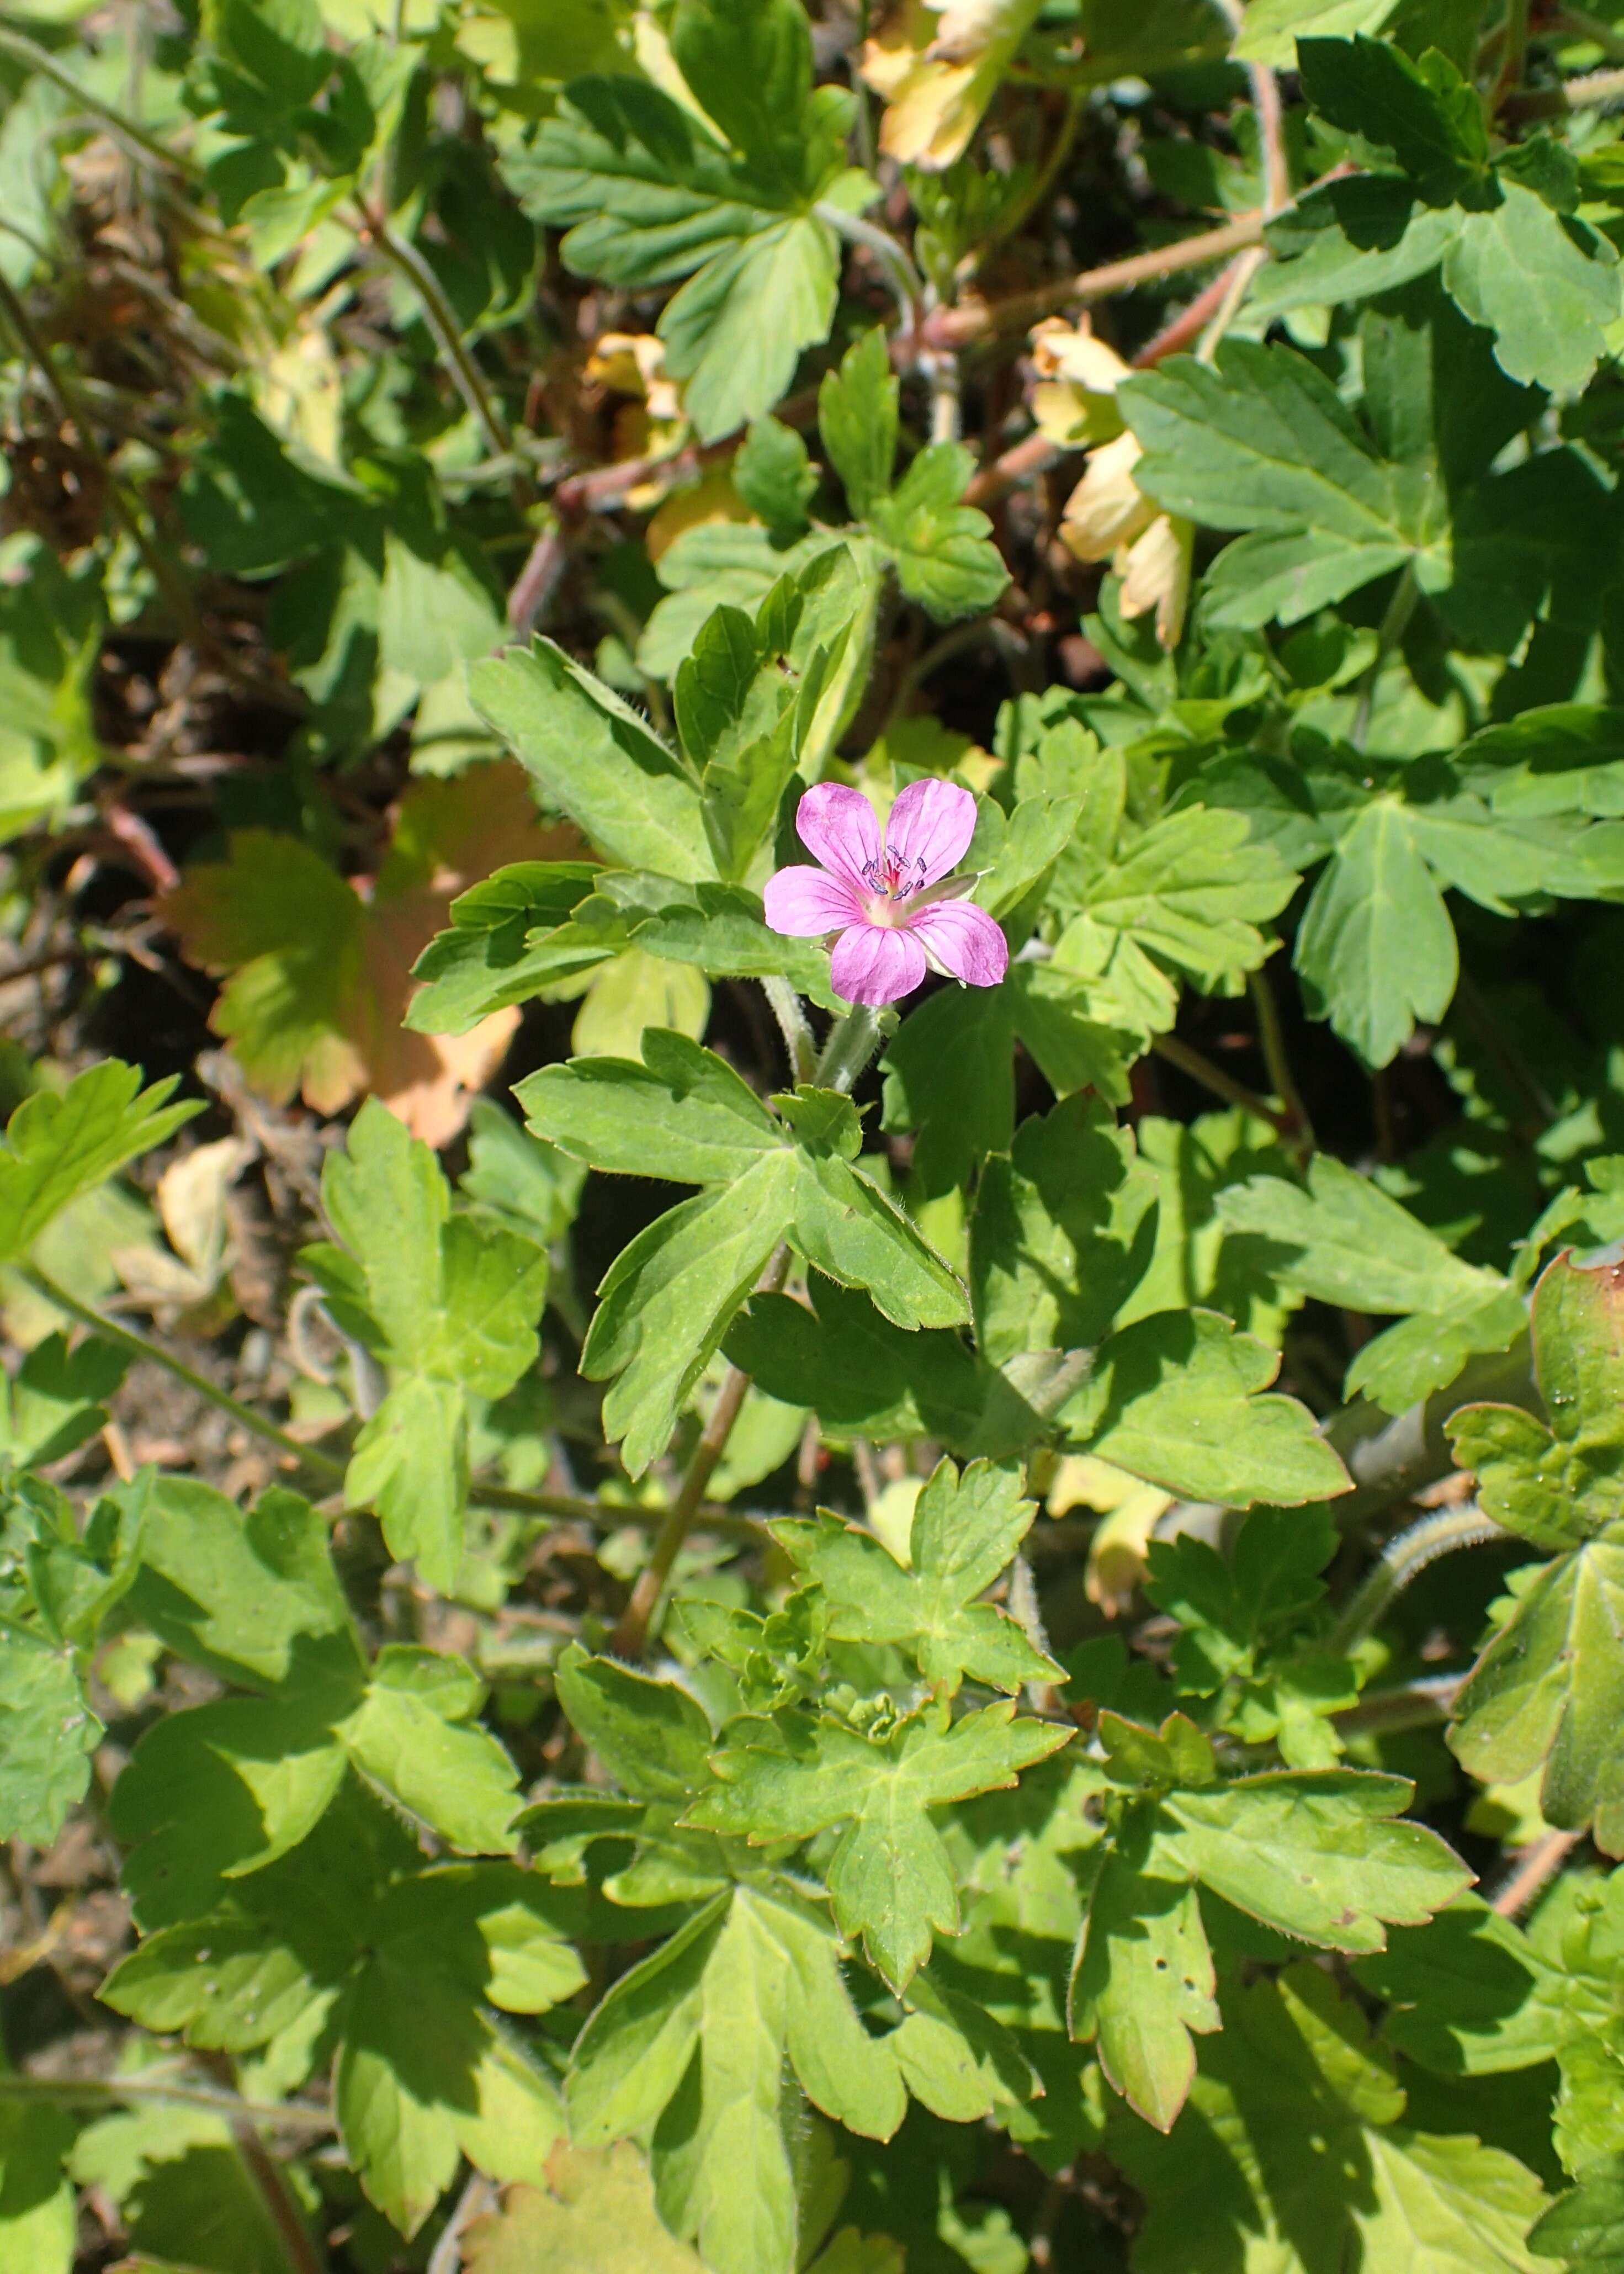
812	1204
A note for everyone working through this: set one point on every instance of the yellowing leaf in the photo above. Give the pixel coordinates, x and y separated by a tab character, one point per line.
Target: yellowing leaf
595	2216
938	63
318	968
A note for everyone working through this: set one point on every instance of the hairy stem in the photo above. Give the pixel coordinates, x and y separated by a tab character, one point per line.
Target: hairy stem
1592	91
1237	282
319	1463
798	1043
853	1041
1403	1560
957	327
1534	1867
632	1634
1271	139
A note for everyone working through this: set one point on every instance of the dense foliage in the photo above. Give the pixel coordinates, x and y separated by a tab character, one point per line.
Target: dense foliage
650	1620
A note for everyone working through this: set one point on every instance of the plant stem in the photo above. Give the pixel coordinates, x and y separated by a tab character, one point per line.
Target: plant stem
1514	56
1416	1705
319	1463
105	2092
405	256
42	60
798	1043
1271	1038
1236	280
890	252
853	1041
959	327
1395	623
1403	1560
1200	1068
1538	1864
570	1508
281	2203
632	1634
1589	92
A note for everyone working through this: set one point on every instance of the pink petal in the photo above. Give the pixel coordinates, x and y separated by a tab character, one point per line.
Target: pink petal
838	827
806	902
875	964
965	941
933	822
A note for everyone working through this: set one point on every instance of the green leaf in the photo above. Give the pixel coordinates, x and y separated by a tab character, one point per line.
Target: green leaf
863	1376
1272	27
949	1068
965	1531
39	2225
1190	891
1375	949
1346	1242
697	2036
651	1735
1586	2226
735	331
648	194
1062	1232
1142	1982
1545	286
890	1875
1352	238
1262	442
58	1147
252	1598
857	419
1470	1995
592	757
223	1791
1547	1694
958	2059
682	1114
669	1298
942	551
48	1734
1556	1482
1293	2154
1177	1399
1426	114
52	1404
773	475
1313	1854
347	1941
1558	758
447	1303
487	960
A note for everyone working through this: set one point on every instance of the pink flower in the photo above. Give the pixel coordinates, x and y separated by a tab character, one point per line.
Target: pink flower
894	902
